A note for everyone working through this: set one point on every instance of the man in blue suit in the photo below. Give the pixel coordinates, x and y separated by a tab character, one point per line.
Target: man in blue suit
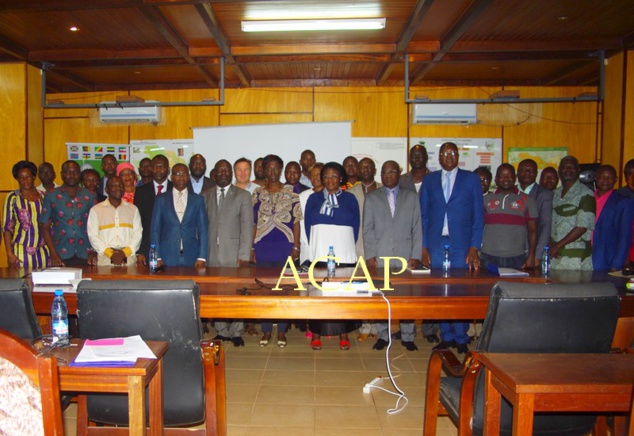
613	231
452	214
179	224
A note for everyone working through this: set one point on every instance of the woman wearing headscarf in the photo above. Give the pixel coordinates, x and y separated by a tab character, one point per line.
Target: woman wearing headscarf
22	209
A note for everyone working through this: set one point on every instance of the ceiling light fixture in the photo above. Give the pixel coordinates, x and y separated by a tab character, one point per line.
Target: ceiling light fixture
74	29
302	25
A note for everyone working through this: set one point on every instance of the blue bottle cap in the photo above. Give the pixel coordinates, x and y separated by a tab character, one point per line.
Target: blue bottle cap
58	292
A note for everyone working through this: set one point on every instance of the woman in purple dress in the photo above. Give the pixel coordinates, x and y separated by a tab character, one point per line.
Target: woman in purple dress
22	208
277	214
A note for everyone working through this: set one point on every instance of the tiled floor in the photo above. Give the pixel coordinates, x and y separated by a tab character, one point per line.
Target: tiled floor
298	391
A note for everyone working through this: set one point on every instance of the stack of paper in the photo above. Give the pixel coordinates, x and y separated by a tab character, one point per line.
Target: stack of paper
113	352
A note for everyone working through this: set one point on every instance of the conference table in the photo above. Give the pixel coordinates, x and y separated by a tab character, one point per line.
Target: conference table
247	292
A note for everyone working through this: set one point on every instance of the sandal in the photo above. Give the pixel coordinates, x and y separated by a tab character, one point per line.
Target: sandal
316	345
281	341
265	340
344	345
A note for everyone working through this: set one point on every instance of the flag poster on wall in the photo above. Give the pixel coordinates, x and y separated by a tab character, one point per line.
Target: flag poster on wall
90	155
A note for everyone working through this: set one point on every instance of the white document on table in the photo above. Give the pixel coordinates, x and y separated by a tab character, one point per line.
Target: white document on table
114	350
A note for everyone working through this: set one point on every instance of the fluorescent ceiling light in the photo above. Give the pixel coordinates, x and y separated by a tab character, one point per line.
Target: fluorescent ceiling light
294	25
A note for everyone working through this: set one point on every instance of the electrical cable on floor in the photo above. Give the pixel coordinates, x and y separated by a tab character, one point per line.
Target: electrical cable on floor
400	394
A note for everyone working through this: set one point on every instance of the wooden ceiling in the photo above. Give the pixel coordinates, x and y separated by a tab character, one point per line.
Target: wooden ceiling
167	44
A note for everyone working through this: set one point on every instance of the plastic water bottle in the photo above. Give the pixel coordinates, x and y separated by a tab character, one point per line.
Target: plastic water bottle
153	261
546	261
331	262
446	262
59	317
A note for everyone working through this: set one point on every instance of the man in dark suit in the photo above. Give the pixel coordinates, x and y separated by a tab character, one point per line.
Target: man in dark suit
413	180
453	215
391	227
615	216
198	182
144	201
179	224
527	176
230	214
109	168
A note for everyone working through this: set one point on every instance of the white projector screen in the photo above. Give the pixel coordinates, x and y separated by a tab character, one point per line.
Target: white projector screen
329	142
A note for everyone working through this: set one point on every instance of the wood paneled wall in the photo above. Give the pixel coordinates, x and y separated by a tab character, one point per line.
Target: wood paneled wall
373	111
20	123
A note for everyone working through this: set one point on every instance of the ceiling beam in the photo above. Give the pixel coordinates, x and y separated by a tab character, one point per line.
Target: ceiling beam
164	28
307	83
314	59
463	24
514	57
309	49
102	54
589	44
419	11
75	5
210	19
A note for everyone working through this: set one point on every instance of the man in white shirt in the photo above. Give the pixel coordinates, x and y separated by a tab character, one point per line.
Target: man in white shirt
114	227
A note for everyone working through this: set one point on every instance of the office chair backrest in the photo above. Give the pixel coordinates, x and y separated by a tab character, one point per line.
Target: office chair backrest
158	311
16	309
547	318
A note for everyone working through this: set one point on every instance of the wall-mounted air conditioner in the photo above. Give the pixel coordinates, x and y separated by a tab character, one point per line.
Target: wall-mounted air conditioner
111	113
423	113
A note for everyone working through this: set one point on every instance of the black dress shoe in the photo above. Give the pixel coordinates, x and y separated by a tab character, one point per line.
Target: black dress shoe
445	345
238	341
221	338
396	336
409	345
432	339
462	348
380	344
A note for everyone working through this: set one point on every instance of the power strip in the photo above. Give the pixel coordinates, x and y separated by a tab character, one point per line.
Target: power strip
368	386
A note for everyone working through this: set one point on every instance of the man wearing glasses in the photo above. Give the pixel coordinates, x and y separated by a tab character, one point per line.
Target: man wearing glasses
452	213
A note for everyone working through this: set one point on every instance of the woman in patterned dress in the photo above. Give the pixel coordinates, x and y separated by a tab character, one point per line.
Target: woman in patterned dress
277	214
22	208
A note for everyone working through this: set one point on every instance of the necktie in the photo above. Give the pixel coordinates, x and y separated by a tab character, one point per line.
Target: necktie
180	206
392	203
222	198
159	189
447	190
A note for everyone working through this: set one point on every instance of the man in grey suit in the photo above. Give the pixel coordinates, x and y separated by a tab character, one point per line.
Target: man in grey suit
526	176
230	215
392	227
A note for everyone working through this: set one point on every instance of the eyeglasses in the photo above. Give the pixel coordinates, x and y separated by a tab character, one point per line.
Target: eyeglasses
389	173
449	153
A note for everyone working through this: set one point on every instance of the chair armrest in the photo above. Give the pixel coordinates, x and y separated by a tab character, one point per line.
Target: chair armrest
467	370
213	355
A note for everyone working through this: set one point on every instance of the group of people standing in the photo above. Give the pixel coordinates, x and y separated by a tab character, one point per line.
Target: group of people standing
195	220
